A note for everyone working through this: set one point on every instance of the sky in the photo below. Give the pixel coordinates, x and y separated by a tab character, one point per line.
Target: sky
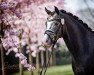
76	5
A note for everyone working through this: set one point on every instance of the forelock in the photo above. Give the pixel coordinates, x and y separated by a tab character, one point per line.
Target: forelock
53	16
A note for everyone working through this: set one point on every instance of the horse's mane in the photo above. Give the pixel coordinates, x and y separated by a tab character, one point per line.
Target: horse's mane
76	18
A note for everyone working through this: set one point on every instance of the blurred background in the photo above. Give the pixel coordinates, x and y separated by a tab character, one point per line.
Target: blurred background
22	24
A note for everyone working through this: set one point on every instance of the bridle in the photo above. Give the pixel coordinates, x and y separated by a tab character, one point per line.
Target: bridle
48	32
53	40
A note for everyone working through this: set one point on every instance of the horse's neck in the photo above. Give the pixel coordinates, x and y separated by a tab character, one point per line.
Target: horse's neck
76	37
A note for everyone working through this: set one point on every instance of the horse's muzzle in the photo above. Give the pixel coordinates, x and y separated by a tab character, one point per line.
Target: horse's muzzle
46	42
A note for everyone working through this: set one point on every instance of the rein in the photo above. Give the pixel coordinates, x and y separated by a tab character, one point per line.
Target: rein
53	40
44	69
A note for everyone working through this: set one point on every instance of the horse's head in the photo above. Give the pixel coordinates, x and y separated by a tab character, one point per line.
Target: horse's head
53	27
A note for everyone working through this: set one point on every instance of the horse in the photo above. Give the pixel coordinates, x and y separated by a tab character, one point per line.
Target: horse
78	37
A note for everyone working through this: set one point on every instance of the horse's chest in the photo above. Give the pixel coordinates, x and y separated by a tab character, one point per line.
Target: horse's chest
84	67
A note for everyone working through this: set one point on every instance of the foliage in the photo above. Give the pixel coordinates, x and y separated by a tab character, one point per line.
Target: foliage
64	55
64	51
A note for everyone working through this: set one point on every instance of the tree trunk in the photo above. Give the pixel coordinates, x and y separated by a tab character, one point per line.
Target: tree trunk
37	62
30	56
42	58
1	46
20	65
21	68
30	62
2	59
20	51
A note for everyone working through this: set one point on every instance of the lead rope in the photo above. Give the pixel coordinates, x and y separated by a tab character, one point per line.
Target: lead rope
45	68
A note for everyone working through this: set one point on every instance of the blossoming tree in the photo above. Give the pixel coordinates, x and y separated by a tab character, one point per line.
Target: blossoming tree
22	22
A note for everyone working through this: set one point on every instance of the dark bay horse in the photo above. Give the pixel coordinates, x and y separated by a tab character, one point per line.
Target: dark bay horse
78	37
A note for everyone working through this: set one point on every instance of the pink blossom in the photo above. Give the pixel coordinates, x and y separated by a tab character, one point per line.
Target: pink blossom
42	48
24	61
33	47
34	53
21	56
26	65
27	51
17	55
9	50
12	49
15	49
23	42
31	67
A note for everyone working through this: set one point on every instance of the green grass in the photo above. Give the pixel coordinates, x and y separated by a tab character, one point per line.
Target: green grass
56	70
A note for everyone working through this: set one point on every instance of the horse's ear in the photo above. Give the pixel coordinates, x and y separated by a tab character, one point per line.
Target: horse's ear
47	11
56	10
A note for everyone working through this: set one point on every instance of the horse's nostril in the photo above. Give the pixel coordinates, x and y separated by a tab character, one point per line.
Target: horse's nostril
46	41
